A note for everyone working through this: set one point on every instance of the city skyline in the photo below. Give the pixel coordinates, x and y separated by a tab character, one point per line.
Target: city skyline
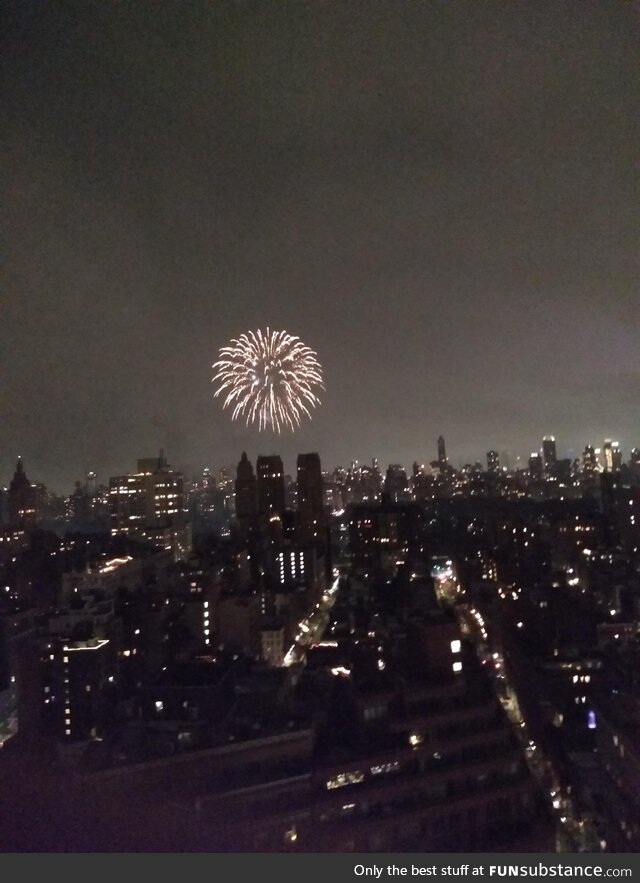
366	585
506	459
436	199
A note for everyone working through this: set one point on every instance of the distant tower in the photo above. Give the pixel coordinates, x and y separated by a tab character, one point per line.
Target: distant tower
589	459
246	495
150	505
442	451
270	483
224	477
616	456
91	484
310	488
535	466
396	483
493	462
549	454
208	480
21	498
612	456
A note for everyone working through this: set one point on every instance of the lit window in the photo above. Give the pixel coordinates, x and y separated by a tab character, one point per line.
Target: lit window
457	666
342	779
455	646
291	835
384	768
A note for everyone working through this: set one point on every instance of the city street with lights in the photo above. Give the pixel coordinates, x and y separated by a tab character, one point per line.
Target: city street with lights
312	626
575	831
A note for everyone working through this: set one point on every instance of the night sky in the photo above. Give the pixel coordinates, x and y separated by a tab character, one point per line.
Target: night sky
439	197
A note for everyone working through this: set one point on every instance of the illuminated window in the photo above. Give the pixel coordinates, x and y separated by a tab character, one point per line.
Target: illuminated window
384	768
455	646
457	666
291	835
342	779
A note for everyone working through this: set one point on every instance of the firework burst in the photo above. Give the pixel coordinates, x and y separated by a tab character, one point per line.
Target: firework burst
268	378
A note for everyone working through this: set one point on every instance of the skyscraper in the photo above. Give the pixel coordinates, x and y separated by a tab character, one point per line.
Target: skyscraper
612	456
616	456
549	454
589	459
396	483
442	451
21	498
246	493
310	491
149	505
270	483
535	466
493	462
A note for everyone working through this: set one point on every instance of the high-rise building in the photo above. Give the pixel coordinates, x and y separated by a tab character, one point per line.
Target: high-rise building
442	451
20	683
616	725
310	489
246	493
150	505
493	462
91	484
21	498
612	456
549	454
396	483
270	484
536	466
75	674
616	457
589	459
